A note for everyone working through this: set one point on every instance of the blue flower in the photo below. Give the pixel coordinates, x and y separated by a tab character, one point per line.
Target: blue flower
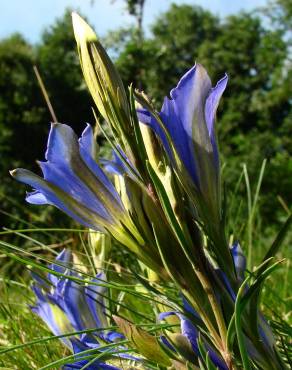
239	261
190	319
190	332
66	306
189	118
75	183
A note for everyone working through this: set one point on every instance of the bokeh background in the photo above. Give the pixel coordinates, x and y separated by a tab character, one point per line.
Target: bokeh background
153	43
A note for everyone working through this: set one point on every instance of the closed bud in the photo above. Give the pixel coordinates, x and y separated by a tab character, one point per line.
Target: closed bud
101	76
100	244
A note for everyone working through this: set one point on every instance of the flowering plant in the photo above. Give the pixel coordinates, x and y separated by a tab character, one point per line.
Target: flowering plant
161	198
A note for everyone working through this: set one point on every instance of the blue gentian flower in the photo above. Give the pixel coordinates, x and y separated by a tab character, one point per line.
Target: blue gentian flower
75	183
67	306
190	318
189	118
190	332
117	166
239	261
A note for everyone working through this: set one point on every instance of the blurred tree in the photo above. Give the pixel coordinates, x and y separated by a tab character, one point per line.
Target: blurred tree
280	13
21	108
22	114
136	8
24	117
177	35
59	66
255	114
135	48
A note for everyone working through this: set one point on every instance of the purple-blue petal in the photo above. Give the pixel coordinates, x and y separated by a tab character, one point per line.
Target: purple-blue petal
64	261
73	180
72	300
43	309
87	152
189	117
117	166
189	330
87	141
78	213
239	260
94	295
112	336
211	106
212	103
188	307
36	197
62	144
78	348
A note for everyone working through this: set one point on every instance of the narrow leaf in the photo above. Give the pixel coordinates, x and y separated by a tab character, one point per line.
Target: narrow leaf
145	343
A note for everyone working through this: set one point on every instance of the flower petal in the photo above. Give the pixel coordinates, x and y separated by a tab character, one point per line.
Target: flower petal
184	118
62	144
88	142
60	199
94	295
212	103
239	260
64	261
211	106
189	330
52	315
87	149
71	299
63	177
78	348
36	197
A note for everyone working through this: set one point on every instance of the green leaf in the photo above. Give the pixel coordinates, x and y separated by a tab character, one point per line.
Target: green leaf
242	299
166	205
238	327
273	250
203	353
209	363
145	343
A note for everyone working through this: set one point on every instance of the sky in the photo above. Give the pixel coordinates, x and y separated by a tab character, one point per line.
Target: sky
31	17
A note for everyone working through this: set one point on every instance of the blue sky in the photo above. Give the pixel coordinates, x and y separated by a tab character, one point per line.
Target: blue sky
30	17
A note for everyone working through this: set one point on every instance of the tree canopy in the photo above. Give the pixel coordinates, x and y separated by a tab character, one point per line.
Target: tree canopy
255	117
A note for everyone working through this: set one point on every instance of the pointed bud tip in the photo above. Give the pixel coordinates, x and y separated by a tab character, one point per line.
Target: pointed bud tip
82	31
13	173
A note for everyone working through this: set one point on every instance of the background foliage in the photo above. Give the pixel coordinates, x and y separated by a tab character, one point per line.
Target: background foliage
255	117
254	122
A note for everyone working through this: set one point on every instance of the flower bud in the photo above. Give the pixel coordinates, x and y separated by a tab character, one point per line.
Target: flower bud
101	76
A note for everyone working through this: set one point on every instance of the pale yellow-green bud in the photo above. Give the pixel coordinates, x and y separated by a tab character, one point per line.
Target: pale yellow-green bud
101	76
100	245
155	157
153	150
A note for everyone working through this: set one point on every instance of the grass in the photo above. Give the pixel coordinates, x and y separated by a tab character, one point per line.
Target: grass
18	325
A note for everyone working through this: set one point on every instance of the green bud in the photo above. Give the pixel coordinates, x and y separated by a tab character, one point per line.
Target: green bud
101	76
152	146
100	244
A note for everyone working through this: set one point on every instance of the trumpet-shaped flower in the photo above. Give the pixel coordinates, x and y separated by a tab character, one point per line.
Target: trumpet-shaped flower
189	118
66	305
190	332
75	183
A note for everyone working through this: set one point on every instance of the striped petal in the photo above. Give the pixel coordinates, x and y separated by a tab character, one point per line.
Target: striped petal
74	182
